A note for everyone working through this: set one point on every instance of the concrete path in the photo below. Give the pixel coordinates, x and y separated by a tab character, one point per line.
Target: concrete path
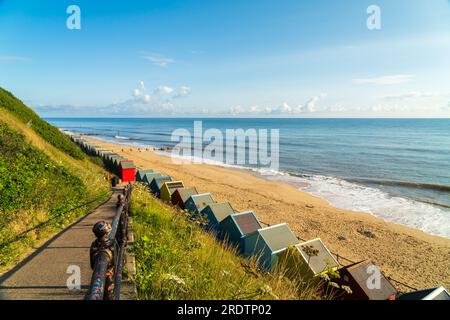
44	274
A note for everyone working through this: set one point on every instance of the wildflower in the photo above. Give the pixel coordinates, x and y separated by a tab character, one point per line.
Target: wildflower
267	290
174	278
226	273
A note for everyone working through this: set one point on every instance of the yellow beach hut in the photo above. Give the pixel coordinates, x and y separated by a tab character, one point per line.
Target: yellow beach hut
168	189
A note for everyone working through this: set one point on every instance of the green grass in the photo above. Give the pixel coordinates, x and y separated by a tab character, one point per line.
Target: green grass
50	133
175	259
44	185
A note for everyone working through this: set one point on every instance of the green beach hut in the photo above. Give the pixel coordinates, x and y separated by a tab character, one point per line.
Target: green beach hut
268	243
148	177
168	188
215	213
140	173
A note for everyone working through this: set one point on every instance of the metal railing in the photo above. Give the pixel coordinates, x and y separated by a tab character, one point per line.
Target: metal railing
107	252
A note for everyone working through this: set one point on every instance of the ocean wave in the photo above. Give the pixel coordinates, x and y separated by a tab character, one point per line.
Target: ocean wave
356	197
121	137
405	184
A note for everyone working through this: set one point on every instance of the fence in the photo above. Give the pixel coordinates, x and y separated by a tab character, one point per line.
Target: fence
107	254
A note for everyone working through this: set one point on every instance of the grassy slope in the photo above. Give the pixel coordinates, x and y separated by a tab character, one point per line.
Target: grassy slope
177	260
40	180
50	133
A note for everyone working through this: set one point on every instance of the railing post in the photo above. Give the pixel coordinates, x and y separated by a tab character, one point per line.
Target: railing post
102	263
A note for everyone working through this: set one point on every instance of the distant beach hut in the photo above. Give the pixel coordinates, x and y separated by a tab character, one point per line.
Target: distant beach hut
180	196
157	183
439	293
267	243
197	202
127	171
358	277
148	177
140	173
168	188
215	213
308	260
235	227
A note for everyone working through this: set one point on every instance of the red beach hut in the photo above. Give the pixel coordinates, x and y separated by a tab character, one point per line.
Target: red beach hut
127	171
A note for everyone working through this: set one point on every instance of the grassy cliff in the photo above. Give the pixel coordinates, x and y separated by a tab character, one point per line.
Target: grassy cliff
46	182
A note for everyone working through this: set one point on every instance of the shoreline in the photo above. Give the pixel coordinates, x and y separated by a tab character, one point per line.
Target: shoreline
406	254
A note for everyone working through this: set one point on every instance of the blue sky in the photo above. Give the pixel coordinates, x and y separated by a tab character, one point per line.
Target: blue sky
268	58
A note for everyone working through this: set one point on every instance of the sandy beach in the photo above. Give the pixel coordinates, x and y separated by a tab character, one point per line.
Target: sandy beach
405	254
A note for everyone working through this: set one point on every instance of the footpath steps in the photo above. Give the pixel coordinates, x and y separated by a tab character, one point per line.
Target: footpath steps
44	274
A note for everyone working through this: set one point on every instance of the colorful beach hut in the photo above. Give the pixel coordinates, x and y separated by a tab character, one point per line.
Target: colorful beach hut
197	202
140	173
180	196
215	213
168	188
358	277
267	243
127	171
148	177
235	227
439	293
308	259
157	183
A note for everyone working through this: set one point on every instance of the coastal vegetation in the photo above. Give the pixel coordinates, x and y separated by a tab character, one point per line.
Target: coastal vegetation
48	132
45	181
175	259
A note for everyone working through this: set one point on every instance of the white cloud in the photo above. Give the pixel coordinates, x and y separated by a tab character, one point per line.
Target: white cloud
183	92
284	109
163	90
412	95
159	60
385	80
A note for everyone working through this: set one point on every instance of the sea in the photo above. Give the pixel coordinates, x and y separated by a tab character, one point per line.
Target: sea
395	169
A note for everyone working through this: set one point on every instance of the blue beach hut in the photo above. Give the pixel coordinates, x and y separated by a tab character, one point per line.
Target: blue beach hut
157	183
235	227
197	202
215	213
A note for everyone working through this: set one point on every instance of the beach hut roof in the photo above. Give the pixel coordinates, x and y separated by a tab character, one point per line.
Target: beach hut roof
186	193
161	180
278	237
150	176
439	293
317	255
356	276
173	185
127	164
246	221
199	201
203	198
219	210
142	172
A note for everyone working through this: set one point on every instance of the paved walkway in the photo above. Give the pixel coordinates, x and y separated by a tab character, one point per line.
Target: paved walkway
43	275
